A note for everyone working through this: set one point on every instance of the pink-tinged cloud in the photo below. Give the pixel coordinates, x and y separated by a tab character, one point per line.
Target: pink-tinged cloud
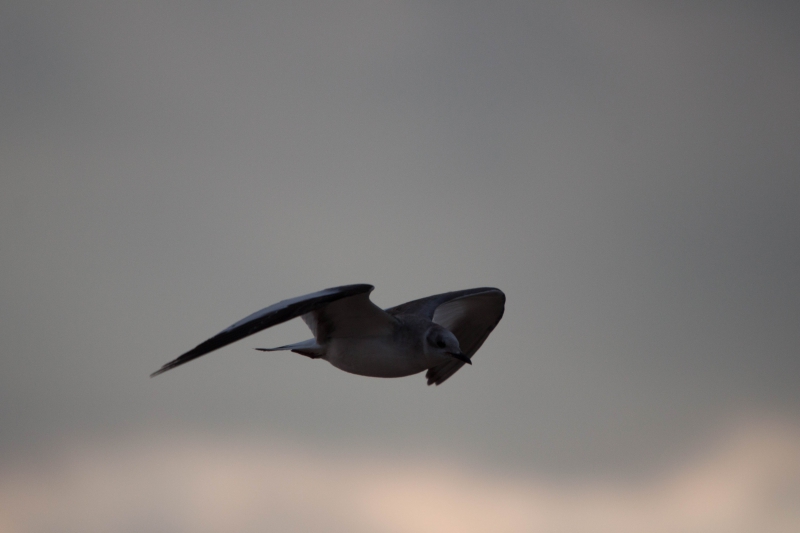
748	481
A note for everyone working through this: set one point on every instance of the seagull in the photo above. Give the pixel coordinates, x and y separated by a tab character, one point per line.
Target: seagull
439	333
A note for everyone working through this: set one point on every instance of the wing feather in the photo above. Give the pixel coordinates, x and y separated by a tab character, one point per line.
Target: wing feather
268	317
354	316
471	318
427	306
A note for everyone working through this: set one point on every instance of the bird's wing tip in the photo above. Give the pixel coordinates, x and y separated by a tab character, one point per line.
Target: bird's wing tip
168	366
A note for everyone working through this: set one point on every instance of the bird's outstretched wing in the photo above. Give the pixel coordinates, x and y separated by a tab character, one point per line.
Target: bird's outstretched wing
354	316
469	314
281	312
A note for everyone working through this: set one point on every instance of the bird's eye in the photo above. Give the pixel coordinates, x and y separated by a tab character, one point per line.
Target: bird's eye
440	343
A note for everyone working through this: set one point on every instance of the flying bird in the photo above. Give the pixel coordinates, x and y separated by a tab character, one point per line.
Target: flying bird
439	333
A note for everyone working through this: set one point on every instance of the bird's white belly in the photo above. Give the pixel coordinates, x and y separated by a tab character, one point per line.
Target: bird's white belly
375	357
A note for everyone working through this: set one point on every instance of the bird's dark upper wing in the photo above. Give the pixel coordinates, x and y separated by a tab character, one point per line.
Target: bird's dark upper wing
426	307
354	316
470	314
268	317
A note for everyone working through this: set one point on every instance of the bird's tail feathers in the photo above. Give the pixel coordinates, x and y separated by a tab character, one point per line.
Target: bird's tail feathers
309	348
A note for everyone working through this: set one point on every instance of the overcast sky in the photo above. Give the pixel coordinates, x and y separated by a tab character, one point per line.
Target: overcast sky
628	174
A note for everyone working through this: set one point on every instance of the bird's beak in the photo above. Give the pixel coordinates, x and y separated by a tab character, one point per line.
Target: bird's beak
461	357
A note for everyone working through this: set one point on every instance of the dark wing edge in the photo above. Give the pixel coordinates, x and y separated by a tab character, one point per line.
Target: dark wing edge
426	307
269	316
471	326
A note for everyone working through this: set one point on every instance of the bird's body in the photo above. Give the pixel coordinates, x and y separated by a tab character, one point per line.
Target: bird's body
376	357
400	354
439	333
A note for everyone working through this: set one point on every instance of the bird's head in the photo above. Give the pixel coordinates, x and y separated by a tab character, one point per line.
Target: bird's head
441	341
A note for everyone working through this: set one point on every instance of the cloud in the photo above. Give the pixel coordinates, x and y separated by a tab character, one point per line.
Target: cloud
748	480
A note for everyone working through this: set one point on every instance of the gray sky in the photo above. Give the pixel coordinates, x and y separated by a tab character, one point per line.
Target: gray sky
627	174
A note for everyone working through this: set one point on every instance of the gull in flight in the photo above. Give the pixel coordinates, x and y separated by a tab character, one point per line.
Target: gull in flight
439	333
